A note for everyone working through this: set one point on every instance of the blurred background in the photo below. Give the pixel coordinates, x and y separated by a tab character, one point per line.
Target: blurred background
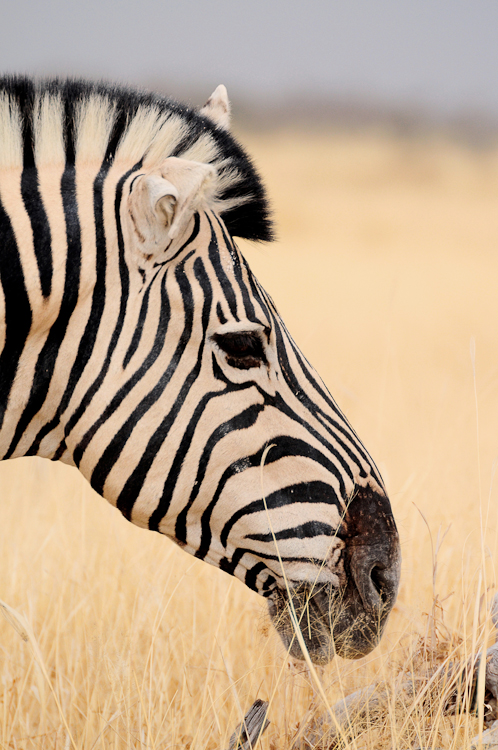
408	64
374	124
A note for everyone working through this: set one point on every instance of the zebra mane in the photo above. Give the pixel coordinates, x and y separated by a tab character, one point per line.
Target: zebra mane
56	121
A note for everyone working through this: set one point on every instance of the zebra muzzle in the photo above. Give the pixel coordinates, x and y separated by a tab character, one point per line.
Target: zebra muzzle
348	620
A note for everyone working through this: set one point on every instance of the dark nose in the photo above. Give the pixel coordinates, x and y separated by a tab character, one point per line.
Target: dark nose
372	549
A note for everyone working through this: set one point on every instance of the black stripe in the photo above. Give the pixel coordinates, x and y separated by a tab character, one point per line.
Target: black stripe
214	257
220	314
69	134
229	566
235	255
139	328
119	126
18	316
71	287
42	238
306	530
30	192
252	574
268	586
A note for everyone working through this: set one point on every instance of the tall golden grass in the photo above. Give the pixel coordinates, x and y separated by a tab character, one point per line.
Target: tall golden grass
386	272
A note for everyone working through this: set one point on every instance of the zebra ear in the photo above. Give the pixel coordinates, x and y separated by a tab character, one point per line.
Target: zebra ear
217	108
163	197
163	201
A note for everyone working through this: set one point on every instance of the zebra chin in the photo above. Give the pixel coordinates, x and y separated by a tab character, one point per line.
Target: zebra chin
330	621
347	621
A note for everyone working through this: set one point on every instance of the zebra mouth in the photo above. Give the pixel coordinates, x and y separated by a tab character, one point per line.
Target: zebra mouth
348	621
327	625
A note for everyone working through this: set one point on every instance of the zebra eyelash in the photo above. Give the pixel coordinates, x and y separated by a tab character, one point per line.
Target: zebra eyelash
244	350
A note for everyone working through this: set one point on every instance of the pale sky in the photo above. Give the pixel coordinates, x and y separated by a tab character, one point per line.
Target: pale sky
440	54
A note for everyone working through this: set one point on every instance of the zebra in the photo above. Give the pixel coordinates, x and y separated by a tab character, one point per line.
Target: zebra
137	346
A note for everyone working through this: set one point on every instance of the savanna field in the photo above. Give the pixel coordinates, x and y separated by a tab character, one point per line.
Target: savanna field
386	273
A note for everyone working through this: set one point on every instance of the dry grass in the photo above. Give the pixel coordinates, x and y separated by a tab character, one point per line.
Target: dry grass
386	268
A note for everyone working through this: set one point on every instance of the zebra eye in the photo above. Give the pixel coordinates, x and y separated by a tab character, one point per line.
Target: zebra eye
243	350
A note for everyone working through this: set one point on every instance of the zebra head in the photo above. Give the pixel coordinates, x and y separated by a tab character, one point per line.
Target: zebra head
153	360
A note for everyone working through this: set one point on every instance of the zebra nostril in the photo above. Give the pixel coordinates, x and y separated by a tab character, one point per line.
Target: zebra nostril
375	572
381	583
376	577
